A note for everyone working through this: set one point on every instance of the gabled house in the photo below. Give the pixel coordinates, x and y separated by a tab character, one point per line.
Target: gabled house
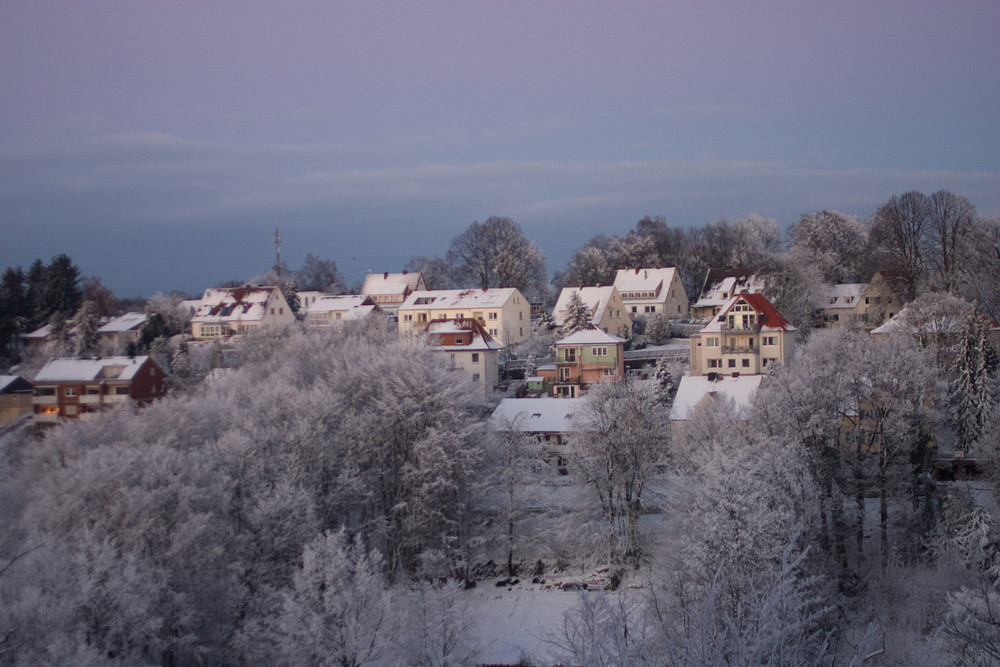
719	287
583	358
235	311
503	311
746	337
647	292
73	388
16	395
470	349
122	330
309	297
548	420
607	309
332	311
842	304
883	297
389	290
695	392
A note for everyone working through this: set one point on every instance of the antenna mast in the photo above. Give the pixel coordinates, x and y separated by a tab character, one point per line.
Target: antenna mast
277	250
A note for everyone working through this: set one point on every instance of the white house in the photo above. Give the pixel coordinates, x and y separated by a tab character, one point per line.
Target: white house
607	310
332	311
122	330
234	311
547	420
503	312
389	290
746	337
470	349
647	292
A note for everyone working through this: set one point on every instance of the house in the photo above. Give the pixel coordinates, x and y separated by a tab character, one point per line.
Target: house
746	337
503	312
937	320
471	350
332	311
16	395
309	297
842	304
38	337
235	311
652	291
548	420
607	309
882	298
72	388
720	285
696	392
583	358
390	290
122	330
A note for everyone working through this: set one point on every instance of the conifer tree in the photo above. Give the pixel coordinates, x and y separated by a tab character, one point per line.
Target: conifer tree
971	389
578	316
85	324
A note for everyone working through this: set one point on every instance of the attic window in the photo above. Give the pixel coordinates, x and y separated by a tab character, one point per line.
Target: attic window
537	415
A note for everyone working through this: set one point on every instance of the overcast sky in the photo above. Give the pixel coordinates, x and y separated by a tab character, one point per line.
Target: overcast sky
160	143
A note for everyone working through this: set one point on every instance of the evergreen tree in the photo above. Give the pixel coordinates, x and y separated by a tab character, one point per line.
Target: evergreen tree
13	308
62	285
666	388
578	316
85	324
38	311
971	389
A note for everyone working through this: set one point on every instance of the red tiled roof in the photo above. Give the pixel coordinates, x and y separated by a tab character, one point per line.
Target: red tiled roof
769	315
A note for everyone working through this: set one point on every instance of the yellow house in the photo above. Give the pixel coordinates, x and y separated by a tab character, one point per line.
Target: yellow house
607	309
843	305
747	337
502	311
650	292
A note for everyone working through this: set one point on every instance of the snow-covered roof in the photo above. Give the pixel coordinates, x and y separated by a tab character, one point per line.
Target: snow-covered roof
40	333
643	280
727	282
108	368
693	389
391	283
233	304
13	383
126	322
768	316
589	337
536	415
595	298
478	340
494	297
352	305
946	318
843	295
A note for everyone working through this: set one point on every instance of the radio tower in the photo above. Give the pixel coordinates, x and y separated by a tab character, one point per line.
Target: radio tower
277	251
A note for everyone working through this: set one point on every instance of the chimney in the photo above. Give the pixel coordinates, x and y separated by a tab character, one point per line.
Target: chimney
385	276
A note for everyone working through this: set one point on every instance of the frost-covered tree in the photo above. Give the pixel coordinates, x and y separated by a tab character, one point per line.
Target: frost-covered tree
319	275
85	326
497	254
578	316
603	630
832	242
619	438
972	389
666	386
436	626
658	329
952	221
898	231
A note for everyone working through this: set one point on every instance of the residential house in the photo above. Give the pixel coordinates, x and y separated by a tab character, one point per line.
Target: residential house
695	392
503	312
309	297
746	337
390	290
73	388
332	311
122	330
607	309
583	358
548	420
235	311
883	297
471	350
16	395
937	322
719	287
842	304
649	292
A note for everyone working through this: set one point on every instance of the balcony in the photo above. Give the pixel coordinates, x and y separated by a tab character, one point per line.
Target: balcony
45	400
740	328
90	399
737	349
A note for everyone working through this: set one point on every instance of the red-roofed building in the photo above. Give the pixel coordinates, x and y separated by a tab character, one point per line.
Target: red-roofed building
747	337
470	348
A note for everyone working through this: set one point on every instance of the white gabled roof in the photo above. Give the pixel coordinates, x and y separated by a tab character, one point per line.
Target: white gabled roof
391	283
595	298
454	299
842	295
357	305
536	415
108	368
233	304
126	322
711	295
589	337
693	389
643	280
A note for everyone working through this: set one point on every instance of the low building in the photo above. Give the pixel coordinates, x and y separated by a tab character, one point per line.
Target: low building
503	311
16	394
470	349
332	311
122	330
73	388
548	420
696	392
748	336
647	292
390	290
583	358
607	309
235	311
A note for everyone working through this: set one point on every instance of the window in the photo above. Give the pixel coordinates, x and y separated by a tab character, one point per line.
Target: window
609	372
521	330
69	391
475	377
564	373
712	341
770	340
569	354
599	351
459	340
746	363
493	332
732	363
492	316
650	309
408	317
475	357
121	391
520	314
566	392
635	309
93	391
714	363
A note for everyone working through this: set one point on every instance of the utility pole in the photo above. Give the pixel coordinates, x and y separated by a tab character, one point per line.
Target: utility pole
277	251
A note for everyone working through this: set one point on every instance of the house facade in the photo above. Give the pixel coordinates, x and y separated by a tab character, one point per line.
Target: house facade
548	421
328	312
470	349
842	305
882	298
74	388
390	290
503	312
16	398
122	330
719	287
746	337
607	309
235	311
583	358
647	292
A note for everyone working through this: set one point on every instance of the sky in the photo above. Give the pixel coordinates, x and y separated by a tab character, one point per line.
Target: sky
159	144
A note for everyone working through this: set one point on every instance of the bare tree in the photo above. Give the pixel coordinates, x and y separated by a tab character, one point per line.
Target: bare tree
899	229
497	254
952	221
